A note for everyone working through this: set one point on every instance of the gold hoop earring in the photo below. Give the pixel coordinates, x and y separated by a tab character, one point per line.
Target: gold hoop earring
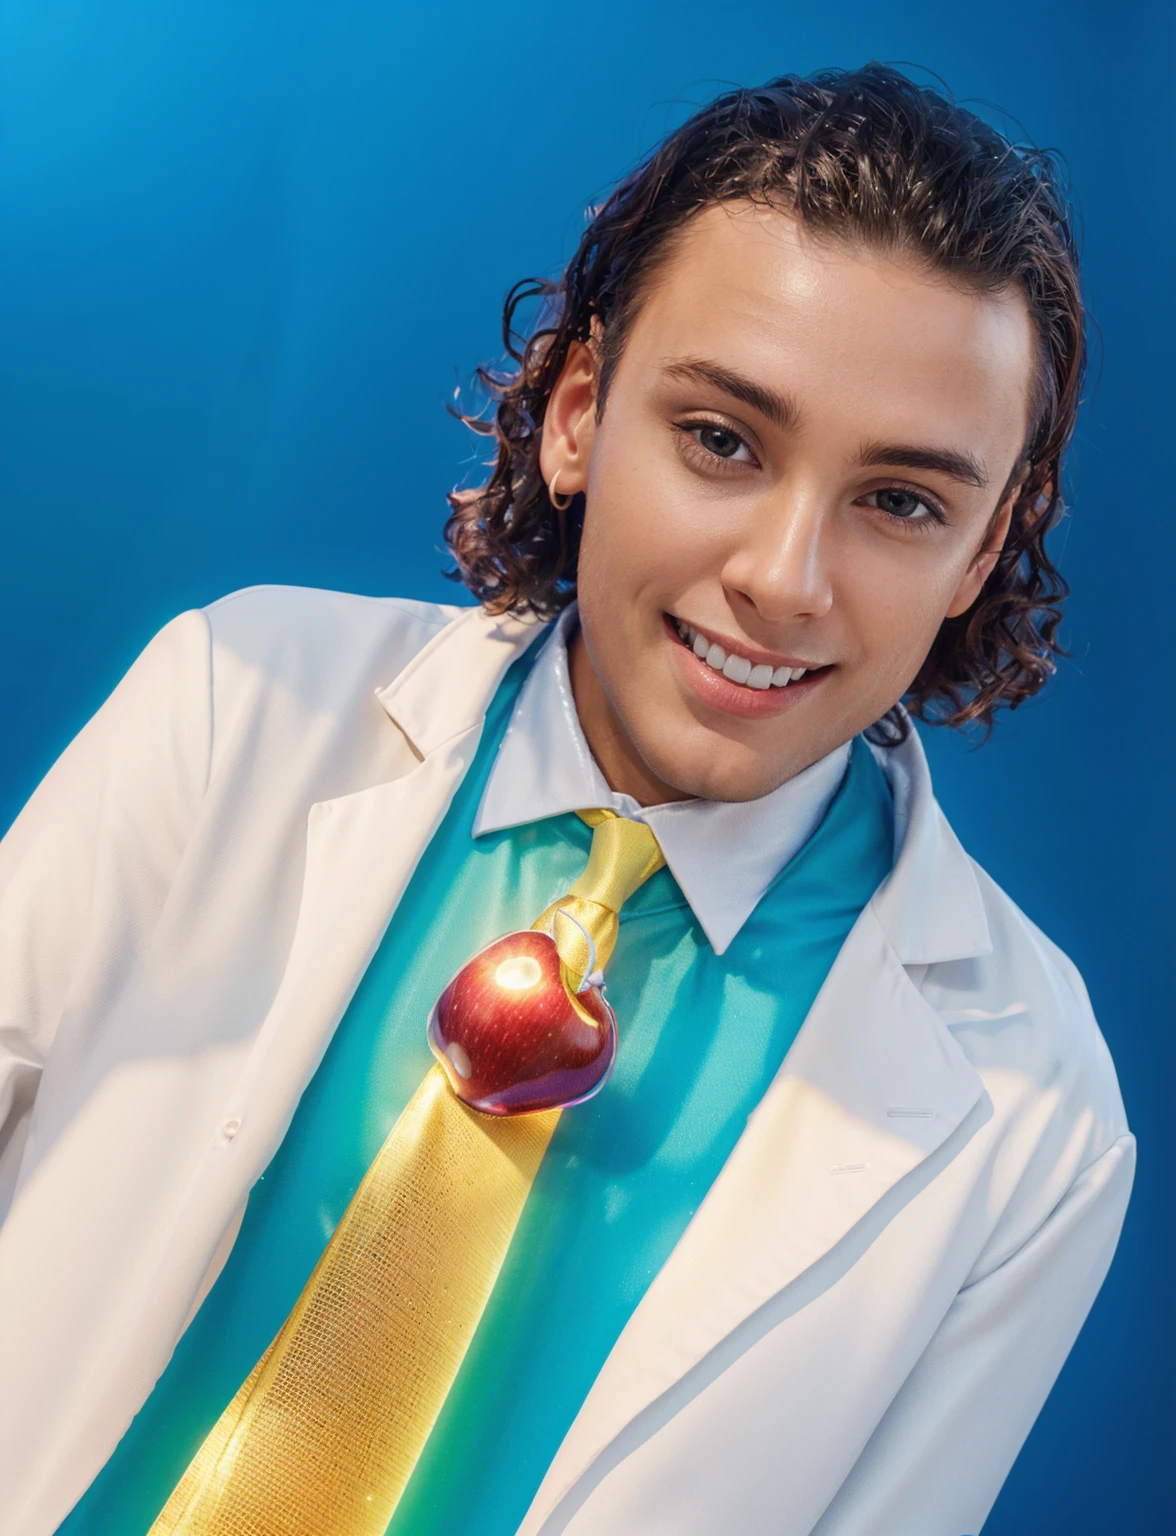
560	506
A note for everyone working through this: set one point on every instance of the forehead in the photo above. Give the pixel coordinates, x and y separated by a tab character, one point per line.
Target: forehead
857	336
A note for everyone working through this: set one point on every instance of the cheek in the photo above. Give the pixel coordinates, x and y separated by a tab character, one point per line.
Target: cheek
895	598
640	532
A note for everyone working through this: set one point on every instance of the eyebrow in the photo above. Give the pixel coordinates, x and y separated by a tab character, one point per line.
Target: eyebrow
959	466
779	409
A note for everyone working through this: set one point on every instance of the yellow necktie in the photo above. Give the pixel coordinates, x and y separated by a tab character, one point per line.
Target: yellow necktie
323	1436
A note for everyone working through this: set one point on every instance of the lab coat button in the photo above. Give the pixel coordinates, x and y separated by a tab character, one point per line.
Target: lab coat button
230	1129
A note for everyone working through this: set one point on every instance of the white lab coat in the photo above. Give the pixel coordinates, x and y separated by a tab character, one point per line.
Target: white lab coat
859	1325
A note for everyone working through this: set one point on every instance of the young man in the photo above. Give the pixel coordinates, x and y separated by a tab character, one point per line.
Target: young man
811	1257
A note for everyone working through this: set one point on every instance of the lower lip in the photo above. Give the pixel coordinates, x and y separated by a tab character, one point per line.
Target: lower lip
719	692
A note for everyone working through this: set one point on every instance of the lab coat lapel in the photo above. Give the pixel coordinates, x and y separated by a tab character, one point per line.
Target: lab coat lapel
873	1085
361	851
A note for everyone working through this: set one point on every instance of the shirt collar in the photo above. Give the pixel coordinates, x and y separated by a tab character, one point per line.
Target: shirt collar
723	854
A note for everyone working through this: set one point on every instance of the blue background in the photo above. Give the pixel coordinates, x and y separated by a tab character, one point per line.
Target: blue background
247	250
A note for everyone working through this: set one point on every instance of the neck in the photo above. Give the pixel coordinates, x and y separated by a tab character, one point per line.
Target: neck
625	771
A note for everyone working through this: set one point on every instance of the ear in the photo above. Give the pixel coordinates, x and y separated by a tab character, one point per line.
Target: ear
983	562
569	422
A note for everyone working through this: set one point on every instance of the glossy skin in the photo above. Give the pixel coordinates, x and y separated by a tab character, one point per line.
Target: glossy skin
809	452
510	1038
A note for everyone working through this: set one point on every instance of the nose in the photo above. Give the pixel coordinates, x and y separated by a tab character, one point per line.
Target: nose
782	563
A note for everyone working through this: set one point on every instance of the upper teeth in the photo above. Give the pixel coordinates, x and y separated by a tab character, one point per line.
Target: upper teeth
740	669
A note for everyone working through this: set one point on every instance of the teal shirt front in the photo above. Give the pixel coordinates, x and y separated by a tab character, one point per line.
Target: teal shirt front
701	1037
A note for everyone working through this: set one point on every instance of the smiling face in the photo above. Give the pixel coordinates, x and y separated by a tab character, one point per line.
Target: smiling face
802	468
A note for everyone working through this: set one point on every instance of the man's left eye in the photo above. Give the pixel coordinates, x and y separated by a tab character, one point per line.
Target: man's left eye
902	504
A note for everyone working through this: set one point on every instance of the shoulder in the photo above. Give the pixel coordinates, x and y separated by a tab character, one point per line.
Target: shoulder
1013	1001
1022	1017
304	640
1024	1009
300	635
279	682
295	676
1014	1012
310	652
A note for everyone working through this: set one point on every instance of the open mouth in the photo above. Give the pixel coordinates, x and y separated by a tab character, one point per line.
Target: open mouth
743	671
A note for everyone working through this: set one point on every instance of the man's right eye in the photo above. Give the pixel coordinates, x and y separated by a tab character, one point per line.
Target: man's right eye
718	441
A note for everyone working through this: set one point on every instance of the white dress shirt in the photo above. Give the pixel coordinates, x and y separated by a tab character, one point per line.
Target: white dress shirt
724	854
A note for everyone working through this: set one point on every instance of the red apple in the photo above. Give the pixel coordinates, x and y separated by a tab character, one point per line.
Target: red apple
511	1036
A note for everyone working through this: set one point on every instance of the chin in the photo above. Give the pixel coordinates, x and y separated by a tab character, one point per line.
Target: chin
735	786
714	771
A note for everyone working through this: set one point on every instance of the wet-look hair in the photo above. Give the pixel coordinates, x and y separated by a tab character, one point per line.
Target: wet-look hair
866	156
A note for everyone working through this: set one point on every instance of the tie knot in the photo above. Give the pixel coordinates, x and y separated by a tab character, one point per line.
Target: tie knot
623	855
583	923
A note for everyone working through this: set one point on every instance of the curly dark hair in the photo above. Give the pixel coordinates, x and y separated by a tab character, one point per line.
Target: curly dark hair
870	156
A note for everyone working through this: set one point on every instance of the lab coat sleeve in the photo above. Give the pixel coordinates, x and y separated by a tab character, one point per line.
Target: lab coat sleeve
86	866
936	1462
